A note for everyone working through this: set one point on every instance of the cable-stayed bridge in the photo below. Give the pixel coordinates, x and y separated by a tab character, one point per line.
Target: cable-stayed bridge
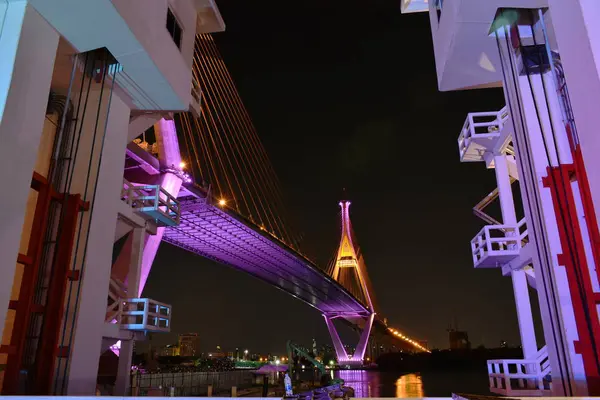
205	178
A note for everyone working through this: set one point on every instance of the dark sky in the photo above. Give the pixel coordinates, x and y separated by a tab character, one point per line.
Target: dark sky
343	94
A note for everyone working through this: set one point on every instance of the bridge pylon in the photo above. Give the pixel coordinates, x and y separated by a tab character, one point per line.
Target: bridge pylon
349	270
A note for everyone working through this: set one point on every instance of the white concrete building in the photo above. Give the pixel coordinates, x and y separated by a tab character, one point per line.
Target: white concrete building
545	55
79	80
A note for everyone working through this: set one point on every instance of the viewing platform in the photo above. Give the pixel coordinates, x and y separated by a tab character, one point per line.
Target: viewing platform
482	132
497	245
136	314
152	202
521	377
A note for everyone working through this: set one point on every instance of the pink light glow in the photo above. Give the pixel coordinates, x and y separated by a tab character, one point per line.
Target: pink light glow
171	183
116	348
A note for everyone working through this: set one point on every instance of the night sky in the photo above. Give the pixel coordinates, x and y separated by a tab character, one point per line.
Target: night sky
344	95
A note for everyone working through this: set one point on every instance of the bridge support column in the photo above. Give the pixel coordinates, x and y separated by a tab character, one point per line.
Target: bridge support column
359	354
168	150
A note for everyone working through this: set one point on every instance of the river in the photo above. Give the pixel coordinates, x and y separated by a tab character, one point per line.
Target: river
430	384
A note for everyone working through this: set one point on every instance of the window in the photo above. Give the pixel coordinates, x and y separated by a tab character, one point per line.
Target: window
438	8
174	28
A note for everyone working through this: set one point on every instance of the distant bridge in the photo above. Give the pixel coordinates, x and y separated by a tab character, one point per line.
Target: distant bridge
223	203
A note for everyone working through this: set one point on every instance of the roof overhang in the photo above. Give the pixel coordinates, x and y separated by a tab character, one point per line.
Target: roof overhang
209	18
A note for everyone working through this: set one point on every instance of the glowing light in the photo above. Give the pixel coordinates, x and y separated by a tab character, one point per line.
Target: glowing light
277	362
330	362
222	202
182	165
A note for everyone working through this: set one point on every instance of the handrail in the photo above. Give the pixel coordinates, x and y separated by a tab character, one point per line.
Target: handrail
152	199
530	374
512	238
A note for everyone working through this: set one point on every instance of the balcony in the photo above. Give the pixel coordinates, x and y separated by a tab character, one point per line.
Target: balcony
144	315
152	202
481	133
136	314
518	378
496	245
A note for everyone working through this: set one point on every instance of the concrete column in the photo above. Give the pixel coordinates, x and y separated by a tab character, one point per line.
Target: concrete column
534	123
168	148
138	237
574	25
519	281
123	381
340	351
27	51
86	344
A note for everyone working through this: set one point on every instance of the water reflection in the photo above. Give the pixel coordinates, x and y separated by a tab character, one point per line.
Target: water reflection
373	383
409	385
363	383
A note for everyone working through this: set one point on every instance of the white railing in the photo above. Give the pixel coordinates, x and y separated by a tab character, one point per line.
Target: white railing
146	315
521	377
152	201
497	244
479	129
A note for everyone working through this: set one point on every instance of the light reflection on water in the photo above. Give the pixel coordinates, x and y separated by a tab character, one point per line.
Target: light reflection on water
368	384
373	383
410	385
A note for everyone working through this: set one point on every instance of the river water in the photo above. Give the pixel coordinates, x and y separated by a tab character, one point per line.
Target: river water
430	384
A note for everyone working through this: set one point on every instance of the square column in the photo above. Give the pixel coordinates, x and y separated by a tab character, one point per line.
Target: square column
577	34
133	282
87	340
519	280
27	51
540	142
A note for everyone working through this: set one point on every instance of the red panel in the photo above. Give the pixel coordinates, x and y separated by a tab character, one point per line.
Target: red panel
578	274
48	349
25	303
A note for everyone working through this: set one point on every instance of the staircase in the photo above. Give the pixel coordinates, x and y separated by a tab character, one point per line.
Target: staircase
521	377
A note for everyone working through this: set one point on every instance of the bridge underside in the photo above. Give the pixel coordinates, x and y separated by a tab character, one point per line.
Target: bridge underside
216	233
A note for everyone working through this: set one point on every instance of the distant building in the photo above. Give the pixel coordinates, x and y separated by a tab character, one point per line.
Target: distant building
189	345
459	340
169	350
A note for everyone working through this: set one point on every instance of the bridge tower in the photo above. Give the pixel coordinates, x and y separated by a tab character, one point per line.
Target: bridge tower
349	270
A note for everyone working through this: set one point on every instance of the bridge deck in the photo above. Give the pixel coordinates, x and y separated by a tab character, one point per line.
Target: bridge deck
221	235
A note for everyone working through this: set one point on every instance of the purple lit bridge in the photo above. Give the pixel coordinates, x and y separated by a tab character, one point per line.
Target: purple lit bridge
215	196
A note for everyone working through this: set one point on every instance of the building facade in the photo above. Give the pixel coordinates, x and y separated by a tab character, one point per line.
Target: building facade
73	93
189	345
544	55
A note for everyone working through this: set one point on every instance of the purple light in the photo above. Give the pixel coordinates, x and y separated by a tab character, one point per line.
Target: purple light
116	348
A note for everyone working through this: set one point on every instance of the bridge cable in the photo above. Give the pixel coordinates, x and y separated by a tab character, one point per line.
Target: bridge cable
252	139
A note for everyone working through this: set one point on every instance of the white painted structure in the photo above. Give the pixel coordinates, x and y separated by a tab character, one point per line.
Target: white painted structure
59	91
544	54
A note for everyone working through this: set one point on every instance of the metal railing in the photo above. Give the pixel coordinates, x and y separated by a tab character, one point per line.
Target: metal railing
189	383
480	125
499	241
152	201
142	314
521	377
